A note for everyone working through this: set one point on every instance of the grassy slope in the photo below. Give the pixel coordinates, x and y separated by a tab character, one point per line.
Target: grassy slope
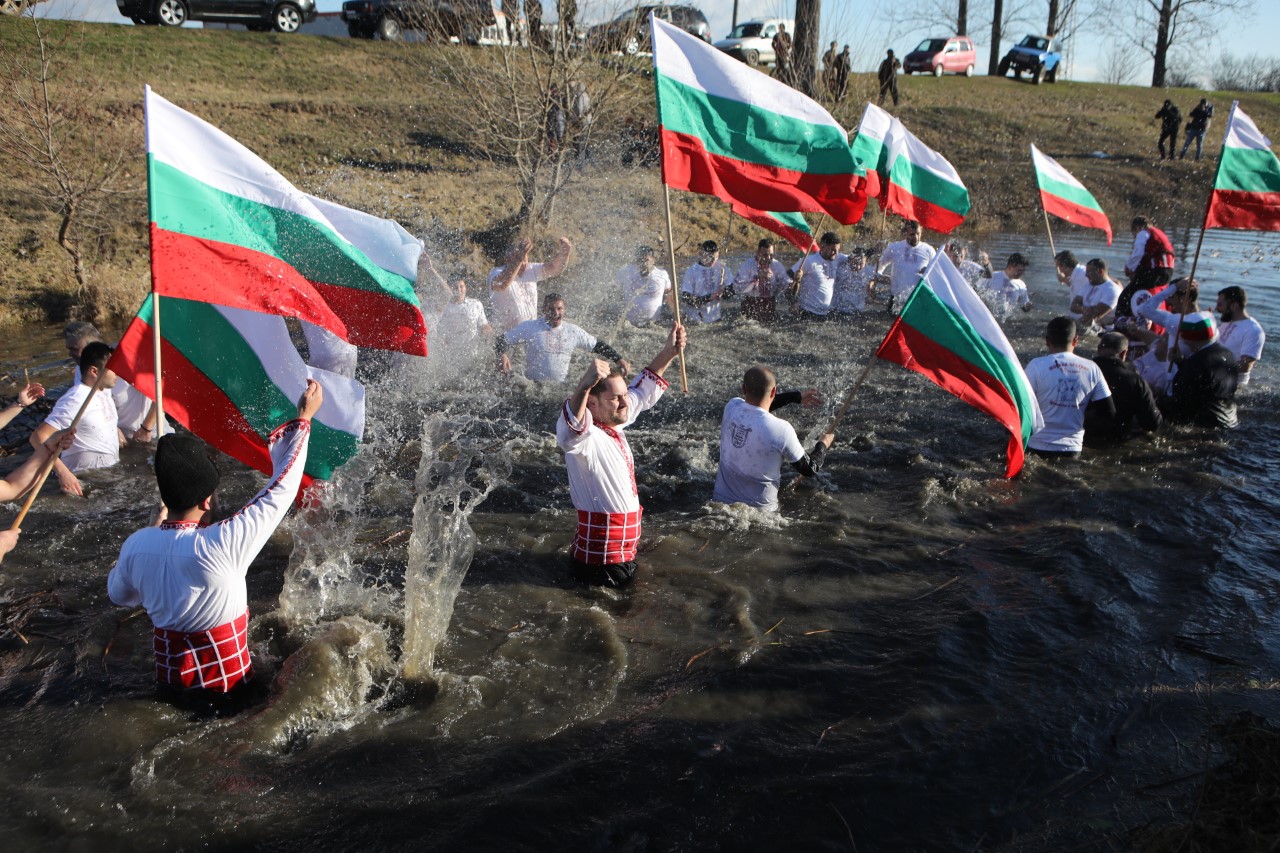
345	119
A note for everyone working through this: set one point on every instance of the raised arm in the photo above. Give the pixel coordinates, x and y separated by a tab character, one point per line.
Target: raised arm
513	264
672	348
597	371
557	265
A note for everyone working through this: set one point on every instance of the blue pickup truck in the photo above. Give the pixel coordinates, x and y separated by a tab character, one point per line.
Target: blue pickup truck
1034	55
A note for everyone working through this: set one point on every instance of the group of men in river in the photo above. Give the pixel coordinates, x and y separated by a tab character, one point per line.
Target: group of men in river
1159	357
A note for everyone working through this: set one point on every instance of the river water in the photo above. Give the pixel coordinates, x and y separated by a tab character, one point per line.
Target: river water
916	654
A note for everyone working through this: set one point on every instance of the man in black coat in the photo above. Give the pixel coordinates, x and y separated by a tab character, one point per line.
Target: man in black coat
1135	404
1204	388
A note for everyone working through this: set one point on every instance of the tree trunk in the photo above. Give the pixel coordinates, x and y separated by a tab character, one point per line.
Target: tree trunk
1162	44
962	18
997	15
1051	29
804	52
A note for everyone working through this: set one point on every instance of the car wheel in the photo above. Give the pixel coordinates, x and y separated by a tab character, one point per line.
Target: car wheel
968	72
171	13
138	19
1052	76
753	58
1003	70
388	29
287	18
937	70
631	46
1038	77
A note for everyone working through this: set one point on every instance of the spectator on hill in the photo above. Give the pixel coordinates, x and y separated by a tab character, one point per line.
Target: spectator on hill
1170	123
888	76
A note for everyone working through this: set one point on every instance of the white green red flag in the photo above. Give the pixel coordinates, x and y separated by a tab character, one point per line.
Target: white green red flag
921	184
227	228
232	376
948	335
871	149
1246	191
729	131
1065	197
791	227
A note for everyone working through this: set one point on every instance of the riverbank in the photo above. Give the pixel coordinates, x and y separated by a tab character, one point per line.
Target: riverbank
356	121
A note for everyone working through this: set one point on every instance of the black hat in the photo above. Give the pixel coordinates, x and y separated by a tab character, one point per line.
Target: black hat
184	472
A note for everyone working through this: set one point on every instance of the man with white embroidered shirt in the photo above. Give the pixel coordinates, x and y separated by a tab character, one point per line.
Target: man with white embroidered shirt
1065	385
190	577
1239	332
513	287
759	281
549	343
908	257
97	442
754	443
1097	305
703	286
602	481
644	287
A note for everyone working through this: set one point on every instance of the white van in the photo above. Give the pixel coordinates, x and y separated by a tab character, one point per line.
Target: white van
752	41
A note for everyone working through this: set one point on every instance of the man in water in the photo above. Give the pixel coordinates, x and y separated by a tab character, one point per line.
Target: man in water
645	286
815	277
908	257
759	281
513	287
1150	263
1098	303
1239	332
1065	386
1203	391
549	343
22	478
1135	405
190	575
754	443
703	285
1008	290
1072	274
98	439
602	479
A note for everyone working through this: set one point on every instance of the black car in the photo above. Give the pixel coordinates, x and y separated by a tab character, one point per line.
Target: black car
460	19
284	16
629	32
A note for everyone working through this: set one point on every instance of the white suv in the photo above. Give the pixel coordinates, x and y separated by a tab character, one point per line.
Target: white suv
752	41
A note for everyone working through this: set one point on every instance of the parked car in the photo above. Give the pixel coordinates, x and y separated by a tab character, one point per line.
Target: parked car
629	32
465	20
953	55
284	16
752	41
1036	56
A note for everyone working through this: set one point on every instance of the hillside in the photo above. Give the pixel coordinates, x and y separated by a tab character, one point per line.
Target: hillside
356	121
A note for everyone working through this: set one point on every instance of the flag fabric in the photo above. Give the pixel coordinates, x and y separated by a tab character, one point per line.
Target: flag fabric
232	376
871	148
948	335
791	227
730	131
227	228
1246	190
1065	197
921	184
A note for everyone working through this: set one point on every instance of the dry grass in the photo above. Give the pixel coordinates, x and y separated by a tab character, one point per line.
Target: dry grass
355	121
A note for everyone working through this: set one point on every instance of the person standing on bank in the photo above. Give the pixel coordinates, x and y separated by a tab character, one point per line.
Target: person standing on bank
602	474
888	76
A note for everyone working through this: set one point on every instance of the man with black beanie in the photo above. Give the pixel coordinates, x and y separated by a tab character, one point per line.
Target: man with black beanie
190	575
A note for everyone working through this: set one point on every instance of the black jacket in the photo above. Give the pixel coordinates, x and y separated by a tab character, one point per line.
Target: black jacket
1134	402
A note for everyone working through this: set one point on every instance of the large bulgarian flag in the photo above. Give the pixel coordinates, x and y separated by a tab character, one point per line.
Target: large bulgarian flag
1065	197
1246	191
921	184
729	131
948	335
792	227
871	148
227	228
232	376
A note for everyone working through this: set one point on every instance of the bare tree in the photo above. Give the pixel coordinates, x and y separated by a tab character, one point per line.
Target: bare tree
1158	27
962	17
997	30
1119	67
73	151
804	56
1251	73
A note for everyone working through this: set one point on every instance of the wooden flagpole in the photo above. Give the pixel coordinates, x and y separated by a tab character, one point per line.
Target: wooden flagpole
848	398
1049	230
155	297
813	241
675	286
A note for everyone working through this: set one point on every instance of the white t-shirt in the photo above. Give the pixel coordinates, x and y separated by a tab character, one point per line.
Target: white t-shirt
703	281
1080	287
851	289
519	301
1107	293
547	351
1065	384
753	445
818	286
131	407
460	322
1006	294
643	295
908	264
1243	337
748	280
97	442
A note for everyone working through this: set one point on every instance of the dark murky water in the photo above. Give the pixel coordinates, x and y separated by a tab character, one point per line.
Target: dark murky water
917	654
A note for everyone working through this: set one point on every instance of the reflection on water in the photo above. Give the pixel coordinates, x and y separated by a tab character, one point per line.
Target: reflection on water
916	653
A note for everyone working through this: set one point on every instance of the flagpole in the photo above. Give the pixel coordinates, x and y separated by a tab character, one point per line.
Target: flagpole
53	457
155	297
671	255
822	220
848	398
1052	248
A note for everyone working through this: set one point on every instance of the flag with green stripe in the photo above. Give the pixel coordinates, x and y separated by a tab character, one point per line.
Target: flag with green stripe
232	376
1065	197
229	229
1246	190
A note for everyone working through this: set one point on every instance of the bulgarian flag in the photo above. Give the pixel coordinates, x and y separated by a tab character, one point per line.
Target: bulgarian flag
1065	197
791	227
232	376
948	335
227	228
729	131
1246	191
871	148
921	184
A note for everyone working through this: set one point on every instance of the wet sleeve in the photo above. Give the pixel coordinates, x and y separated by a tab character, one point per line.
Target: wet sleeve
785	398
811	463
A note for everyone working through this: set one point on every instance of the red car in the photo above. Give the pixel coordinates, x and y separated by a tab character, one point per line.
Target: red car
954	55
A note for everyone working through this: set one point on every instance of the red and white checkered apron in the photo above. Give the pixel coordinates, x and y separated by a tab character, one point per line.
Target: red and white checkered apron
216	659
607	537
